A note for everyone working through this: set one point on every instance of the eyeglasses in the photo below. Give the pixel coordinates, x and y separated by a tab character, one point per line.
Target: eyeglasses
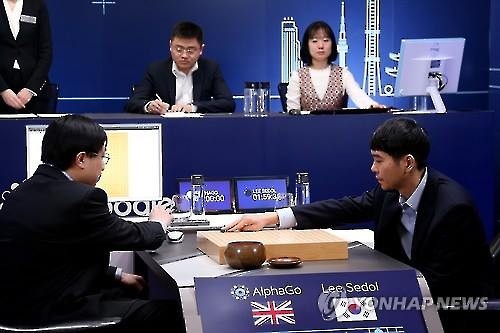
105	157
189	50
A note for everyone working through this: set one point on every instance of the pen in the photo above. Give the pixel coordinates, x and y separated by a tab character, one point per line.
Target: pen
158	97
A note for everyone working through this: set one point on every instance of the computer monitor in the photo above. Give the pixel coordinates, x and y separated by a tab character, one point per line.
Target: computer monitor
258	194
429	67
218	194
134	172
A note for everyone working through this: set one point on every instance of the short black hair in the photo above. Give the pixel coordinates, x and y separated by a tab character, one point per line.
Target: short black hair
401	136
305	54
65	137
187	30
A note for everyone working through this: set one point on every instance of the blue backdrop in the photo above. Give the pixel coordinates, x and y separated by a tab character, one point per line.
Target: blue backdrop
101	50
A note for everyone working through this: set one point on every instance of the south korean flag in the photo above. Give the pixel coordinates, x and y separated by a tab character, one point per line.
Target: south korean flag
355	309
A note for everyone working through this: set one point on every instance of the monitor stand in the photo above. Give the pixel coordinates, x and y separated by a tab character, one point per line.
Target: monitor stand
420	102
433	91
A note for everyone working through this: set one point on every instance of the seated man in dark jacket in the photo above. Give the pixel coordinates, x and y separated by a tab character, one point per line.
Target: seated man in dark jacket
185	82
56	235
422	218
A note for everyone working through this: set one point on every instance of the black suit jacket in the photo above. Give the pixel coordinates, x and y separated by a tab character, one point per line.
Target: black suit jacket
55	240
448	247
210	92
32	48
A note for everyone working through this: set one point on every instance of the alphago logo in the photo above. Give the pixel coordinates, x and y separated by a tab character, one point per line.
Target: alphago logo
138	208
240	292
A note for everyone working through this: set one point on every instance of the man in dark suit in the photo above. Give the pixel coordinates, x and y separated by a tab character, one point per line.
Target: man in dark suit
56	235
422	217
185	82
25	56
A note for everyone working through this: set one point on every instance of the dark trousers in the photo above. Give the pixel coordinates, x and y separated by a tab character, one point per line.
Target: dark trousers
468	321
37	104
137	313
153	316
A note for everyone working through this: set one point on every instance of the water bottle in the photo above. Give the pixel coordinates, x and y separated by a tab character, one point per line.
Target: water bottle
197	197
263	98
250	97
302	193
419	103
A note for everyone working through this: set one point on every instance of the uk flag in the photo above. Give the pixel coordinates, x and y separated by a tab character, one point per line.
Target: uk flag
270	313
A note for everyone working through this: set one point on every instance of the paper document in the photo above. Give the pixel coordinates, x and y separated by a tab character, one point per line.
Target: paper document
364	236
417	112
51	115
184	271
182	115
17	115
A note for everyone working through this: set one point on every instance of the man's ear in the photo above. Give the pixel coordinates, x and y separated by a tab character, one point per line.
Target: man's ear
80	159
410	162
202	47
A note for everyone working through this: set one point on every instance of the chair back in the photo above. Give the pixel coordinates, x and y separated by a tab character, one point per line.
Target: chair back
345	99
495	247
99	324
282	89
495	255
51	94
134	87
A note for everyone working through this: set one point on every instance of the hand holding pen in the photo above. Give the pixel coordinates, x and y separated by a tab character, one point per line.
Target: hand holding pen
157	106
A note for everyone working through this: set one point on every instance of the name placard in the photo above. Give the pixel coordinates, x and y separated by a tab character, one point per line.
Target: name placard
367	302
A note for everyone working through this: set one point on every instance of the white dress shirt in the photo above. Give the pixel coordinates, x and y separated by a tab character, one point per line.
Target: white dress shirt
184	85
409	215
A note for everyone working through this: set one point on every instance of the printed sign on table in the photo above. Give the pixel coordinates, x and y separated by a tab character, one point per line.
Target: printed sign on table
363	302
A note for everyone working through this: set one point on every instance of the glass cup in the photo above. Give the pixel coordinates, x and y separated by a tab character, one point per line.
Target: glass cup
284	200
181	210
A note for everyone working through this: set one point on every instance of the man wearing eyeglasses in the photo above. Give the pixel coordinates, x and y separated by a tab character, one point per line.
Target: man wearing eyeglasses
184	82
57	232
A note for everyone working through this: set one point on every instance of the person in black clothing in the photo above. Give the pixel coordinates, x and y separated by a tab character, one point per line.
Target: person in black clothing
25	56
184	82
58	232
